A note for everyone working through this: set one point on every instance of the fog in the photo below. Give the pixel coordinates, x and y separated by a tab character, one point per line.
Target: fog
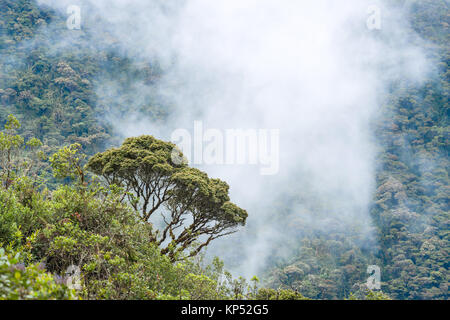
313	70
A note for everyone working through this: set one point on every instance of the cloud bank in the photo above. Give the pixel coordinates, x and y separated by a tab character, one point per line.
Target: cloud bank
311	69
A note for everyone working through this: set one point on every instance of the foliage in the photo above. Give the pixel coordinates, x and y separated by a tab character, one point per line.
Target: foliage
90	227
281	294
67	163
410	209
28	282
13	161
54	92
192	205
370	295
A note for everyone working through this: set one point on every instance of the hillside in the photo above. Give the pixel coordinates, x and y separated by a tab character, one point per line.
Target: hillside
57	86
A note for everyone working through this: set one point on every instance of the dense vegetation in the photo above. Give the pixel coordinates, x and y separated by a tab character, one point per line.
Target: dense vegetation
55	213
410	209
87	226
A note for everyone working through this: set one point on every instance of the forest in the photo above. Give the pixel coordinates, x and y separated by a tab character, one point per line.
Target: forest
78	196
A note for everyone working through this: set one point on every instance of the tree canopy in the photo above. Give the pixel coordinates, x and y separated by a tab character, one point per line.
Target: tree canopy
195	209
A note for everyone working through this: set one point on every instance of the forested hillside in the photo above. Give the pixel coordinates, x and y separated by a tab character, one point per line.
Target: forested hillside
411	206
55	212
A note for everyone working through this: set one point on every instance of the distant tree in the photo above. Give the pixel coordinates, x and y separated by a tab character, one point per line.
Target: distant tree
68	162
280	294
369	295
195	208
17	157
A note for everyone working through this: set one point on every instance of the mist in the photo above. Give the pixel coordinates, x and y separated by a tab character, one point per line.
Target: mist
311	69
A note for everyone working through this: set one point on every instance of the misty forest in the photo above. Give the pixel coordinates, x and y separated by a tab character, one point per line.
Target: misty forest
348	199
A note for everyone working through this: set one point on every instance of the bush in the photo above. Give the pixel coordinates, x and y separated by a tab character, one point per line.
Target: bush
19	281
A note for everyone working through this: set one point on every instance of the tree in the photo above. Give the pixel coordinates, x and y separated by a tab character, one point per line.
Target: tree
17	157
195	209
67	162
